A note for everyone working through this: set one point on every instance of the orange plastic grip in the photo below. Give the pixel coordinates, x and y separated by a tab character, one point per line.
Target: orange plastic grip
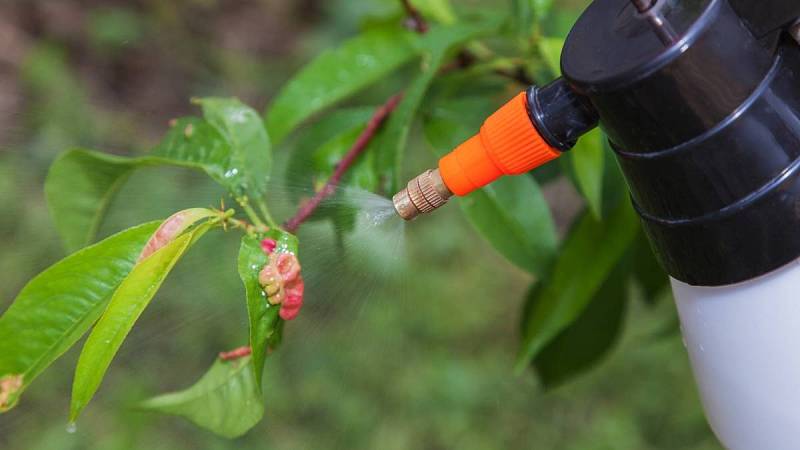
508	144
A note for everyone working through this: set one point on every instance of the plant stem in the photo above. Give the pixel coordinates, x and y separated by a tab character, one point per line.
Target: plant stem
418	22
251	214
262	206
307	209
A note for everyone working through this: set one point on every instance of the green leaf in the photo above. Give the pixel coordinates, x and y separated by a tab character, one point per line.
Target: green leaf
514	217
79	188
317	152
227	400
591	337
59	305
337	74
512	213
587	258
126	305
263	317
550	50
439	10
230	145
588	162
436	44
526	13
250	148
647	271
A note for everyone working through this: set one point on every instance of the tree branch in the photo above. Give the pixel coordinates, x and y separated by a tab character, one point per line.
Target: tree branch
308	208
415	19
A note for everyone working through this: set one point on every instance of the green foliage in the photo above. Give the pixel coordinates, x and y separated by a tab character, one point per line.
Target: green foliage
57	307
585	261
227	400
589	337
450	79
588	162
126	305
229	144
512	213
436	45
337	74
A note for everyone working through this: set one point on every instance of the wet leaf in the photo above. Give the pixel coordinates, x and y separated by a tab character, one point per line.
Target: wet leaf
250	148
227	400
436	44
263	317
591	336
336	74
59	305
512	213
126	305
230	145
585	261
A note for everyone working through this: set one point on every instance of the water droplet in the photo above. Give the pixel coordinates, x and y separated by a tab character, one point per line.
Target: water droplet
72	428
231	173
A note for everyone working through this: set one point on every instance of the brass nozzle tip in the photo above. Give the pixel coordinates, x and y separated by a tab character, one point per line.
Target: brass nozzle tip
424	194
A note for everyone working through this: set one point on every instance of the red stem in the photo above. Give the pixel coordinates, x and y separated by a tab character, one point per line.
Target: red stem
308	208
240	352
417	21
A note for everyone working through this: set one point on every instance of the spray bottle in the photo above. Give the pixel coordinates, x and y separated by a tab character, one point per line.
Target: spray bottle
700	100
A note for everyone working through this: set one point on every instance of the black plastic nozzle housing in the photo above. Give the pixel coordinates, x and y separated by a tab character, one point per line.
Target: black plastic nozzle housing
705	126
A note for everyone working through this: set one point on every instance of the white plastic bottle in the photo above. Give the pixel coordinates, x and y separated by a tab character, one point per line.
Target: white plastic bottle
744	344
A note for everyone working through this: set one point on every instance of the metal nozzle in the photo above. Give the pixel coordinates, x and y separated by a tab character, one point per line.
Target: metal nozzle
424	194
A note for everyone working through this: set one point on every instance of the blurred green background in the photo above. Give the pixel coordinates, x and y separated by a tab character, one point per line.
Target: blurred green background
412	350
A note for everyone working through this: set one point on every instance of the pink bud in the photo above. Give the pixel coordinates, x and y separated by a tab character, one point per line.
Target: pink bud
288	266
268	245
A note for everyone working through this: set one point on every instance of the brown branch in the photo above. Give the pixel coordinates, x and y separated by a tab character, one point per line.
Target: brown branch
415	19
308	208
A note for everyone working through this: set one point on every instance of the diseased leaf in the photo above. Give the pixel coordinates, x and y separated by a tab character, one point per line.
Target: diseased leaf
230	145
591	336
585	262
263	317
126	305
512	213
173	227
588	162
60	304
337	74
227	400
435	45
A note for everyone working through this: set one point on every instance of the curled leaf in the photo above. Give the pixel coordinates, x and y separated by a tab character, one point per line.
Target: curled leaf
126	305
173	227
9	386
